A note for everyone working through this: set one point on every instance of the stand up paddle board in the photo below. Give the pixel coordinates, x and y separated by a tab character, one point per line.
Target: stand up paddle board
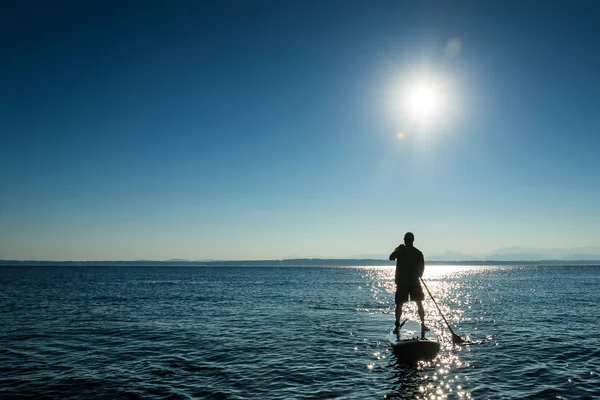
410	346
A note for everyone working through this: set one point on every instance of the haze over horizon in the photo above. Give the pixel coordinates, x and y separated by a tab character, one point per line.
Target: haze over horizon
259	130
513	254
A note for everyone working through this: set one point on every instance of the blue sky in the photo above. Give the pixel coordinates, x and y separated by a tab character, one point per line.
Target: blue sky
265	130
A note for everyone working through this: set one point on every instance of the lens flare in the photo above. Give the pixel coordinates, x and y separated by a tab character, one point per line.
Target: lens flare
453	47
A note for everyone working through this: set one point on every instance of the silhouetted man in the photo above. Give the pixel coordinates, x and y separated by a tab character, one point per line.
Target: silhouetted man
410	266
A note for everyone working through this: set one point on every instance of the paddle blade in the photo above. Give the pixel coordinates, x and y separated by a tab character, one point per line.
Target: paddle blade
456	339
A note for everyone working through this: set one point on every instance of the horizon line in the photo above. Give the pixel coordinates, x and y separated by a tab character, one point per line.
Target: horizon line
313	259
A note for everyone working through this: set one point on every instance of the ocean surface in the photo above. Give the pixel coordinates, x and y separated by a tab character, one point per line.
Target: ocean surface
294	333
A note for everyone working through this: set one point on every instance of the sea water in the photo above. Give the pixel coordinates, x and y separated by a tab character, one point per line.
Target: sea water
294	333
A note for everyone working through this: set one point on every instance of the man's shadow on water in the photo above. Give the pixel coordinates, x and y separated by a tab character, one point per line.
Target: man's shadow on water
410	380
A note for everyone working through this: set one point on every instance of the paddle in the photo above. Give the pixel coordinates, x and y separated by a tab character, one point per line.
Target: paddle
455	338
399	327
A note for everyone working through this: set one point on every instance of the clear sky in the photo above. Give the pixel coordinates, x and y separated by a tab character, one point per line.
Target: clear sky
275	129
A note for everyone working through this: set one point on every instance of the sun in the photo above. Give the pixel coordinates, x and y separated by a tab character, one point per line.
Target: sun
423	101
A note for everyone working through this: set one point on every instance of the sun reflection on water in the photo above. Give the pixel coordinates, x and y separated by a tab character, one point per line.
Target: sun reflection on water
441	377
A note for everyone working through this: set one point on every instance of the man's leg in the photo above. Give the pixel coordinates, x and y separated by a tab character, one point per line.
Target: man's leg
398	314
421	312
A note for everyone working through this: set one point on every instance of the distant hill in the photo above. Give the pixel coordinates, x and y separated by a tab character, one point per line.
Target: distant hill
503	256
524	254
300	262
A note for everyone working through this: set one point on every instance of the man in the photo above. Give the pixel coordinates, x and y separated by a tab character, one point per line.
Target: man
410	266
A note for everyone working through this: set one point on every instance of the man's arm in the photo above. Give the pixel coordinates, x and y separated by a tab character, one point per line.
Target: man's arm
394	254
421	265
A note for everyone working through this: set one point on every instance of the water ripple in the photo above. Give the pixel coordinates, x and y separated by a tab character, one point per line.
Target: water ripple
302	333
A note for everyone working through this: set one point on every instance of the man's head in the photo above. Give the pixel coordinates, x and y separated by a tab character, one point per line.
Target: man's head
409	238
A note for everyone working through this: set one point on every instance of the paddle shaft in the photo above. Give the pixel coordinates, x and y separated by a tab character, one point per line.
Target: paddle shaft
440	311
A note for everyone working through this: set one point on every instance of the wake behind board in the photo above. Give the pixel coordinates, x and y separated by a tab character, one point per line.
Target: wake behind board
411	347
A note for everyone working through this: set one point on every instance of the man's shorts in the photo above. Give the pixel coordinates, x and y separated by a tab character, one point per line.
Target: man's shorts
415	292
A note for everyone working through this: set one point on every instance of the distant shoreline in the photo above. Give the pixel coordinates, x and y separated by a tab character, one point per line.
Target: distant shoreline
308	262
